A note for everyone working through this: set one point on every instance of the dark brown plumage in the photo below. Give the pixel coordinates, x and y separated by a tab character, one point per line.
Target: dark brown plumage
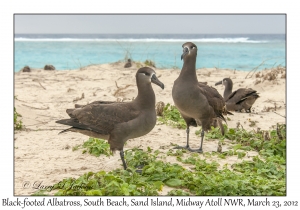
242	98
96	102
118	122
128	64
198	103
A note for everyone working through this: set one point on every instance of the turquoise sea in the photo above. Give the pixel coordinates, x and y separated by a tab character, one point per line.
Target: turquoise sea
72	51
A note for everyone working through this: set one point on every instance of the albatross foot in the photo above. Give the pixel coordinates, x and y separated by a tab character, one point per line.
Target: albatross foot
185	147
196	150
139	168
139	171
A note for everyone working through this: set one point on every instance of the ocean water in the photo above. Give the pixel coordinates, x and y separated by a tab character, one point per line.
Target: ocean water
72	51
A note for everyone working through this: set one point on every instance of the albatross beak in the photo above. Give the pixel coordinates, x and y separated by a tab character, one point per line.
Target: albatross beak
185	51
155	80
219	83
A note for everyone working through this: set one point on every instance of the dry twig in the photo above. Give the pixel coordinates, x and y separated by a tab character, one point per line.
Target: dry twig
77	99
36	107
117	92
280	115
36	80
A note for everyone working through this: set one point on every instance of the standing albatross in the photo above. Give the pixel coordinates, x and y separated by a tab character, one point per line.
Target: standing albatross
242	98
198	103
118	122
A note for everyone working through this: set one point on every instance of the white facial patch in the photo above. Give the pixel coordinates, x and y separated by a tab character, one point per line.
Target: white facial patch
151	76
187	49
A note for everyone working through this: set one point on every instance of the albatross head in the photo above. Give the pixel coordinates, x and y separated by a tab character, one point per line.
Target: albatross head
189	49
147	75
226	82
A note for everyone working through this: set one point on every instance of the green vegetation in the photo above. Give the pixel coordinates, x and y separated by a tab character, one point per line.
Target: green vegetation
17	122
263	175
95	147
171	116
150	63
244	140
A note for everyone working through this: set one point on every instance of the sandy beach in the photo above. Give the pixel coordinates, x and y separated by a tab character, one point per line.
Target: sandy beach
41	155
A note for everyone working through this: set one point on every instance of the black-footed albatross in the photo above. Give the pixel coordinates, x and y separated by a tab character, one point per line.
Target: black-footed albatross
242	98
198	103
118	122
128	64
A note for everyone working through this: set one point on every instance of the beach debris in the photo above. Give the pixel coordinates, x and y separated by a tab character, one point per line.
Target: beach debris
275	73
259	75
67	146
278	132
128	64
49	67
273	108
270	76
219	149
36	80
280	115
257	81
119	100
252	123
268	109
77	98
31	107
160	108
26	69
70	90
117	84
258	130
266	135
119	91
207	74
255	69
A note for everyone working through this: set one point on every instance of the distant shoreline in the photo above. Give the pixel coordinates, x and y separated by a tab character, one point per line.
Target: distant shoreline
137	65
230	51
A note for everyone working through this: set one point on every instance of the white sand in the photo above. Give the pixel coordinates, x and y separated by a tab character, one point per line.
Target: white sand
43	96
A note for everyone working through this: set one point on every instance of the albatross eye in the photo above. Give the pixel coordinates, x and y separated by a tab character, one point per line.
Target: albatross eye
147	74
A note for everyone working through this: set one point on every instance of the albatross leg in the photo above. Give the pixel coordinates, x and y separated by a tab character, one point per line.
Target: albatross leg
123	160
200	149
187	140
124	163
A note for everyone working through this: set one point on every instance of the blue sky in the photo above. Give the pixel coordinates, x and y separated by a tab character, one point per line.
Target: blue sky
143	24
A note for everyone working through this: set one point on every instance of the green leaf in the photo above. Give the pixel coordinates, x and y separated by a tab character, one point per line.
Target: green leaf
93	192
173	182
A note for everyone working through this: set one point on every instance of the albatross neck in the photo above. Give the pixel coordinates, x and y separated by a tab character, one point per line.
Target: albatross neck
227	91
146	96
188	71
